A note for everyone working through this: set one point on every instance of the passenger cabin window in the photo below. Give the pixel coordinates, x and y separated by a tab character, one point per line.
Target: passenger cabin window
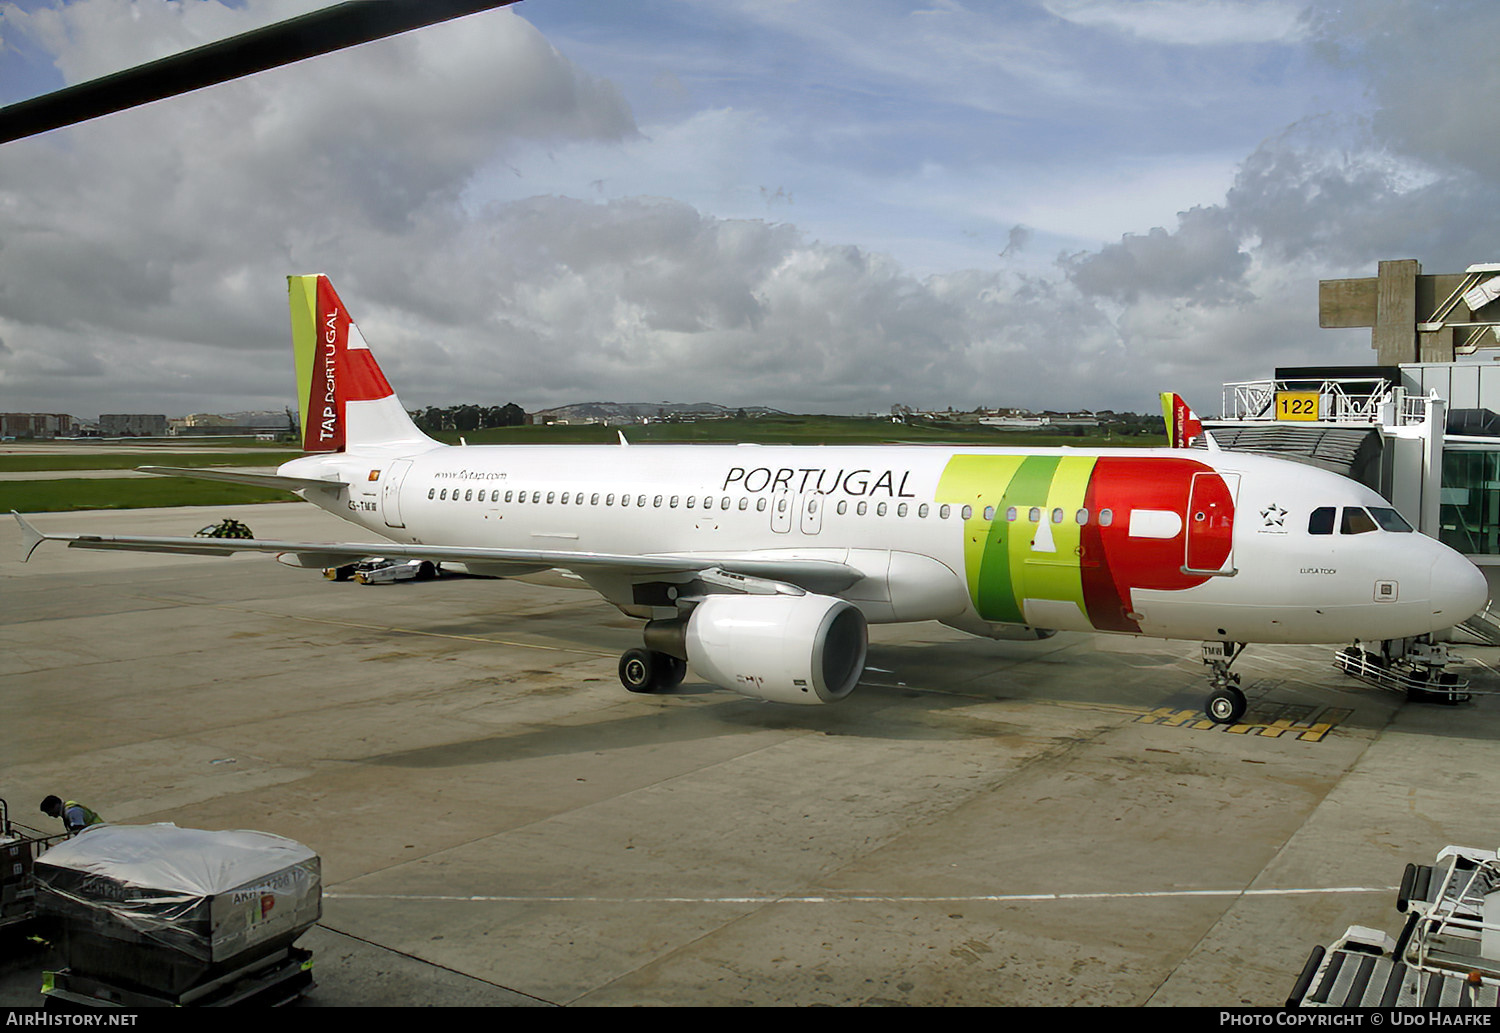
1321	520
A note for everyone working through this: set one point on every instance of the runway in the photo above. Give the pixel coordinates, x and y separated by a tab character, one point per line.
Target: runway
980	823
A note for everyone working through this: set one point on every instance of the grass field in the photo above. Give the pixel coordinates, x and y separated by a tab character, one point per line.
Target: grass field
68	494
114	461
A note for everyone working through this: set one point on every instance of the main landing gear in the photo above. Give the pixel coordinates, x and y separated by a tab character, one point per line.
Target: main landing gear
1226	700
646	670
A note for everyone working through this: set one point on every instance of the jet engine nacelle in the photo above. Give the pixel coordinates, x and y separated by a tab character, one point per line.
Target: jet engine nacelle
786	649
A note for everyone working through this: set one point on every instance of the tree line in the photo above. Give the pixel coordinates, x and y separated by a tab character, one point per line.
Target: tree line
468	417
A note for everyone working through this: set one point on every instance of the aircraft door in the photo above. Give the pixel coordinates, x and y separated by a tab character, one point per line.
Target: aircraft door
390	496
812	513
781	511
1210	524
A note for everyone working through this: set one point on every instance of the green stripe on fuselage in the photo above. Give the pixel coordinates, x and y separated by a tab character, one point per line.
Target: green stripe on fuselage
980	481
1002	565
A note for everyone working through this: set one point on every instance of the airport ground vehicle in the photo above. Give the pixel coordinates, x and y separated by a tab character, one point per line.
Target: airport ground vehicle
226	528
380	570
1447	954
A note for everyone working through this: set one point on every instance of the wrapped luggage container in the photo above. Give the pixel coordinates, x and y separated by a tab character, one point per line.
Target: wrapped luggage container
164	908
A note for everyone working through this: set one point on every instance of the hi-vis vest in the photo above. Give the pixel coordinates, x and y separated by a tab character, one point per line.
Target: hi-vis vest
76	816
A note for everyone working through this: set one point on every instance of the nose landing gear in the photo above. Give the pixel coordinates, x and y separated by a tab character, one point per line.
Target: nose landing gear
1226	700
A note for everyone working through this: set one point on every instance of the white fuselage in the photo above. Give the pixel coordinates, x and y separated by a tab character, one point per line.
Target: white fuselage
1177	544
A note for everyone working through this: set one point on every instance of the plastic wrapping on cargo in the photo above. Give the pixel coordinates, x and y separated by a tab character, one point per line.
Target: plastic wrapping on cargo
209	895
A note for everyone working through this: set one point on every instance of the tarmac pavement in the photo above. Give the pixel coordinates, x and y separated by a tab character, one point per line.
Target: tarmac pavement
979	823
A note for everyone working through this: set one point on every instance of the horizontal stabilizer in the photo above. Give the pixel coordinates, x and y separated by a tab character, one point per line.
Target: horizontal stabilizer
259	480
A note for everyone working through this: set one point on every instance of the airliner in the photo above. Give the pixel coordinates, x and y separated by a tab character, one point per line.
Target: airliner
760	567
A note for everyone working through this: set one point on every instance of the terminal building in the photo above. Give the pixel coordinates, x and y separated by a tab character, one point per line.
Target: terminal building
1422	426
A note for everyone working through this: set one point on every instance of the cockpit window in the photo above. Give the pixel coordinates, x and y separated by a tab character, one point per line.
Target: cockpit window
1357	521
1389	519
1321	521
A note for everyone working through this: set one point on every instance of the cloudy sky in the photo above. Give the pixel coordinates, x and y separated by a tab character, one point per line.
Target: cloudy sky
819	205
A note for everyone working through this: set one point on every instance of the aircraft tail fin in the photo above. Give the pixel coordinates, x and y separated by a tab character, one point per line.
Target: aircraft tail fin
1182	424
346	402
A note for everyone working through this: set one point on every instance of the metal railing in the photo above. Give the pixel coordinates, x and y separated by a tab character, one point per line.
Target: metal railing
1450	937
1340	400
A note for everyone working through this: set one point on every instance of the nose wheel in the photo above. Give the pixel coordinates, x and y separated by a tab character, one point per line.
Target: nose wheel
1226	702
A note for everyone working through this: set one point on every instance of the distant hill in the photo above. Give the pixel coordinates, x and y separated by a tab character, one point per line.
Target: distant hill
635	412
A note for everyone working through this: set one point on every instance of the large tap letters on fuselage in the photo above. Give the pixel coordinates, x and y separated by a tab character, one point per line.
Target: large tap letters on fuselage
1058	528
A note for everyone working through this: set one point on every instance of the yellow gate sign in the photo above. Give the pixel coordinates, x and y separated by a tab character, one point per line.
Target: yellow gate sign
1296	405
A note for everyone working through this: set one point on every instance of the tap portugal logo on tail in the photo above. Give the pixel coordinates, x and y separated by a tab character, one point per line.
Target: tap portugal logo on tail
334	365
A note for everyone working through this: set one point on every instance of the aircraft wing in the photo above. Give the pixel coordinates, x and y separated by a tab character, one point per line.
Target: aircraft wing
812	574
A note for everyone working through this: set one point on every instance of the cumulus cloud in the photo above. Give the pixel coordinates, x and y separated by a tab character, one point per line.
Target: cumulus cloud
176	222
1202	262
142	256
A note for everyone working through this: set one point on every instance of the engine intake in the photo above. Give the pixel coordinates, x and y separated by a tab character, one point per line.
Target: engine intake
806	649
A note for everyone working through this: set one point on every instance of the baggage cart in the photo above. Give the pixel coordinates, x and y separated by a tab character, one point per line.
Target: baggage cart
20	845
156	915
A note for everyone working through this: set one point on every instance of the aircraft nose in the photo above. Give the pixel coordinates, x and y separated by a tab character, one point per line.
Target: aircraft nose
1459	589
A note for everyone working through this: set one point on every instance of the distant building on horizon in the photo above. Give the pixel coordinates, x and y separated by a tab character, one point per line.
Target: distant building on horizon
132	425
37	425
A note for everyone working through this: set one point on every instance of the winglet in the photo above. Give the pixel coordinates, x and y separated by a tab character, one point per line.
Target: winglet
30	537
622	437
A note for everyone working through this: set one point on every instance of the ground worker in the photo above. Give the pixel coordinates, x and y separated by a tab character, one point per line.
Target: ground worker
75	816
